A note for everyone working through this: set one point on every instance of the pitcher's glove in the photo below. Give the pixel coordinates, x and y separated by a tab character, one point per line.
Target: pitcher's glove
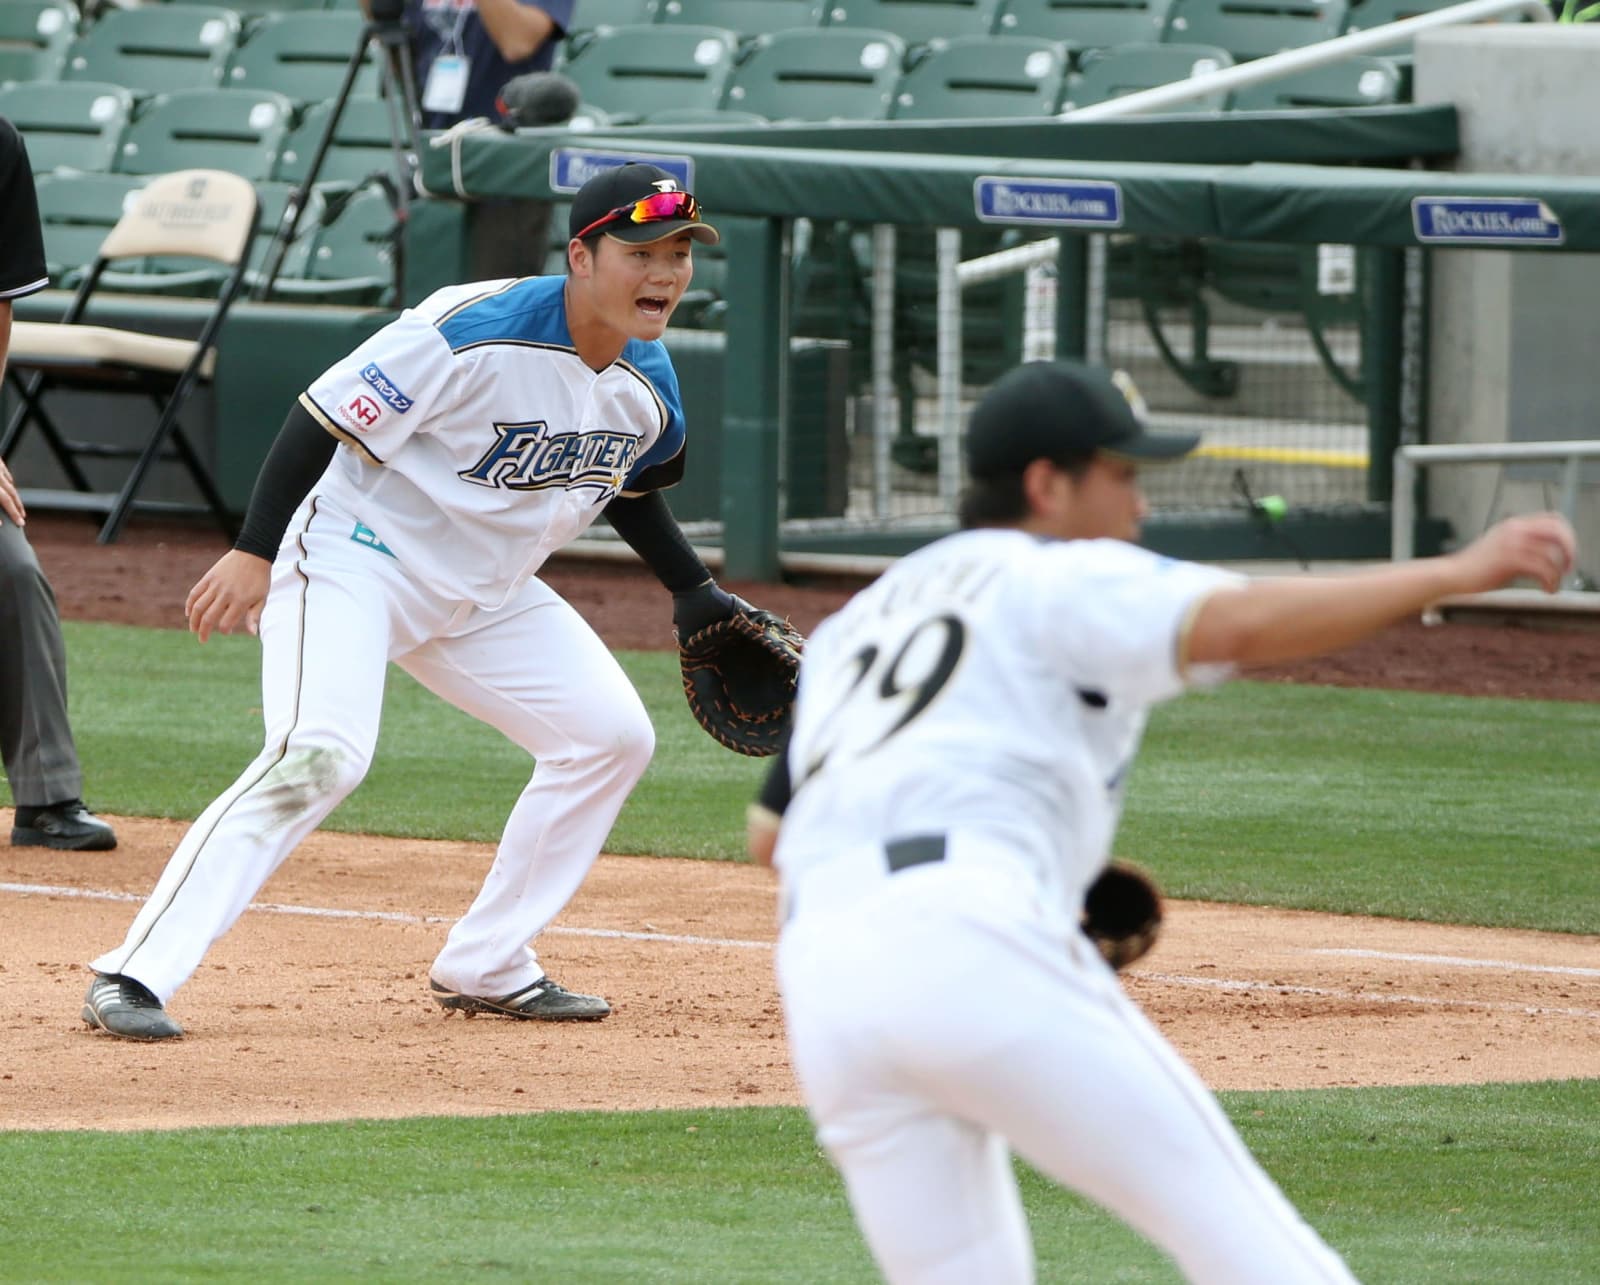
1122	913
740	673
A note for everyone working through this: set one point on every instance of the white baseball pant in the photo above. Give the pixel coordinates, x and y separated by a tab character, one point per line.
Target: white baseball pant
339	610
935	1017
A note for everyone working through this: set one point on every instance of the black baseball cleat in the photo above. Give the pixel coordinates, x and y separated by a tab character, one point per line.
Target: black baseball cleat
68	825
545	1001
123	1007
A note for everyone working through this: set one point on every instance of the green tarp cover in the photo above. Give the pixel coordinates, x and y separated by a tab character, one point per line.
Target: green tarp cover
1252	202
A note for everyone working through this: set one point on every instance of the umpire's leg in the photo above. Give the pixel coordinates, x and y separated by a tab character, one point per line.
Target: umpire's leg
35	739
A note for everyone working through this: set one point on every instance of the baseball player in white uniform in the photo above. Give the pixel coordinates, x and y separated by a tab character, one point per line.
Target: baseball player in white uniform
962	736
403	514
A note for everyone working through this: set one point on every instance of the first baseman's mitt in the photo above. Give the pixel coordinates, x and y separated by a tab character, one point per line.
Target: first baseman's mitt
740	674
1122	913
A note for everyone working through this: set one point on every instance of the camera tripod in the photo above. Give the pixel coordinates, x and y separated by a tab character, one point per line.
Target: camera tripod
385	28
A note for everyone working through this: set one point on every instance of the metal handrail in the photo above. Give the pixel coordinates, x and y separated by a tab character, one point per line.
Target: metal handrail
1403	511
1276	66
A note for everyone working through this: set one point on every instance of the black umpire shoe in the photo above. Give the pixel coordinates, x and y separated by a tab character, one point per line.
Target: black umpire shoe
67	825
546	1000
124	1007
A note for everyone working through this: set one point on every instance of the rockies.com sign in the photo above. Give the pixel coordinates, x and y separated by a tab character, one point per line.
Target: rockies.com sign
1485	220
1072	203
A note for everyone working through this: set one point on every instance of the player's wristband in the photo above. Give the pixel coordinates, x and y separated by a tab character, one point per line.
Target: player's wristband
647	525
297	459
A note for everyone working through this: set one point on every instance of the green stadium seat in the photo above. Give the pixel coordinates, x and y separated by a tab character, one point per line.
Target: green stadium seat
34	36
1351	82
590	14
238	130
1254	28
1126	69
252	10
832	74
1086	24
68	124
750	18
362	144
303	56
701	116
630	71
985	76
156	49
352	255
917	22
1367	14
76	211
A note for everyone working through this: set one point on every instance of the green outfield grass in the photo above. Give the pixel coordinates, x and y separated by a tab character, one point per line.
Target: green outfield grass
1463	1184
1417	806
1441	808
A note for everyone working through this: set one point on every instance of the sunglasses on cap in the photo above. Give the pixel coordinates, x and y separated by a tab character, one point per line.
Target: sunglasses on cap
659	207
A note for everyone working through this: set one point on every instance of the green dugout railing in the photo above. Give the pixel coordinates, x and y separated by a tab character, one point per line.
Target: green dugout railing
770	176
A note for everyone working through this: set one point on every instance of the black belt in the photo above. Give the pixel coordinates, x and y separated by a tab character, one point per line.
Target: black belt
918	850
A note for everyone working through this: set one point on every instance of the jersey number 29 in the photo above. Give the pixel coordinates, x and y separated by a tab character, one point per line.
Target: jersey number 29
884	688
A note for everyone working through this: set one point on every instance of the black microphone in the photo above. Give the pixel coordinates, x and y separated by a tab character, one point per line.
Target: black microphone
537	98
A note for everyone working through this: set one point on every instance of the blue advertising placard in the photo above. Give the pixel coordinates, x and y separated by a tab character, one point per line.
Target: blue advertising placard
1485	220
572	167
1071	203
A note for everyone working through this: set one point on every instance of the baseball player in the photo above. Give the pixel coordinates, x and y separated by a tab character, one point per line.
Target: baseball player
403	514
962	736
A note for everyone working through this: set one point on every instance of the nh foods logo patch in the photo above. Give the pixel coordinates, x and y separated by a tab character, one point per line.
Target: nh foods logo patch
387	388
1073	203
1485	220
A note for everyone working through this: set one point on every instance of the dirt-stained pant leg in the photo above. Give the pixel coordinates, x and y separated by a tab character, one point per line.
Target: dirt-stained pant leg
335	614
911	1087
36	743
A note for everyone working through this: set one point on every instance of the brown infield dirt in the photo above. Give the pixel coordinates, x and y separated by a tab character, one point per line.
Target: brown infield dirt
315	1007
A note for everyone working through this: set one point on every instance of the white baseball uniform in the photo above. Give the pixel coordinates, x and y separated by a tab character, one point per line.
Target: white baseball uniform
476	442
963	733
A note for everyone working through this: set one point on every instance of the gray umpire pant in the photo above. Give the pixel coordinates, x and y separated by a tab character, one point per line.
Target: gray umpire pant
35	739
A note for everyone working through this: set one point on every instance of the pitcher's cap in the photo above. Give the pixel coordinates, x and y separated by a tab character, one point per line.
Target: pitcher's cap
1057	409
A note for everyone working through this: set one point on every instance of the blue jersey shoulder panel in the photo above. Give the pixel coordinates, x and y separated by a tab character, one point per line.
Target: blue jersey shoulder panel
531	311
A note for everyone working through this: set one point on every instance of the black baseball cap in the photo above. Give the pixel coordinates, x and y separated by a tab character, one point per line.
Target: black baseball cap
612	192
1056	409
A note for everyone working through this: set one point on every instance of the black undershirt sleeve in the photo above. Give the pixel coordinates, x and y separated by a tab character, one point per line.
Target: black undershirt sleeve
297	459
776	790
647	525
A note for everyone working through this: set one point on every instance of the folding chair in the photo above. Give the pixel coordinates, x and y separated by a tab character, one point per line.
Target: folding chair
205	213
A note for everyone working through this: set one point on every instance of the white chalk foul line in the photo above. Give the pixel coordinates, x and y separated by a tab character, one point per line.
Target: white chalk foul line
1364	997
1170	979
1455	961
384	916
